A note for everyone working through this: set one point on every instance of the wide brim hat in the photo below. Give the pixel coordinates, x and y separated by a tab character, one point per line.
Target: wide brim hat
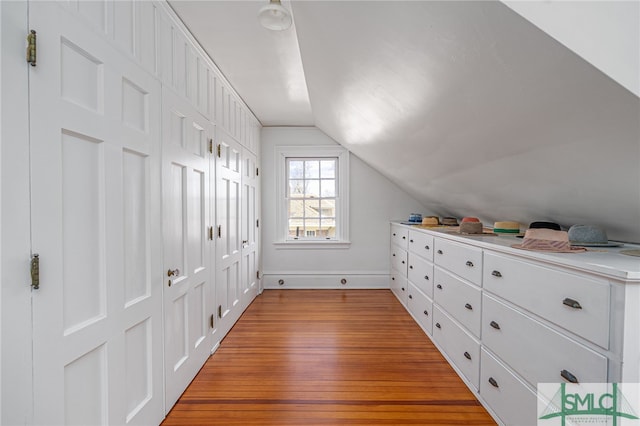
543	225
590	236
547	240
449	221
430	221
473	229
506	227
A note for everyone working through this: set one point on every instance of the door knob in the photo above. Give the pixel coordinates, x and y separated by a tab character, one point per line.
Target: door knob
173	272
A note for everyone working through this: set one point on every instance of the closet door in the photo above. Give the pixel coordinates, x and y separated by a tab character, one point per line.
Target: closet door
97	316
187	275
250	240
228	244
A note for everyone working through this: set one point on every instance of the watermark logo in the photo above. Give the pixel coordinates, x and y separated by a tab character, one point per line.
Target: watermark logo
611	404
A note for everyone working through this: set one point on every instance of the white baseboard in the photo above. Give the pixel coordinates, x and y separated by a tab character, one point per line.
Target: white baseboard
325	281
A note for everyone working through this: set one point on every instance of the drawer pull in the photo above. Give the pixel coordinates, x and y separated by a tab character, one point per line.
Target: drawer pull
438	325
467	356
469	263
495	325
394	255
394	234
403	262
427	248
410	297
468	306
426	313
440	252
410	266
426	277
571	303
402	288
410	241
493	382
568	376
439	287
404	238
496	274
393	278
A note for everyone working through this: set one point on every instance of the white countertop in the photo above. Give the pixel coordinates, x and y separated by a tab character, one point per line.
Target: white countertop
605	261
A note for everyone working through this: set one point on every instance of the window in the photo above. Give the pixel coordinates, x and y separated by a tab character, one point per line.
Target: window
313	196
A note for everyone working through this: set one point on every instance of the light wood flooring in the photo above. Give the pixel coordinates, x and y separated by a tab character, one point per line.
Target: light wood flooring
327	357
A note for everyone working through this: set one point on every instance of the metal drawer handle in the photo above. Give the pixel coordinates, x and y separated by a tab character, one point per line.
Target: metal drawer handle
568	376
404	238
467	356
469	263
468	306
426	313
440	252
571	303
496	274
403	262
427	248
495	325
394	234
393	278
411	241
493	382
410	297
438	325
439	287
394	255
410	266
402	288
426	277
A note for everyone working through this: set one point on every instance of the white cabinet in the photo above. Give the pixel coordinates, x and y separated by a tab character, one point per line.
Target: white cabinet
421	244
421	308
459	298
464	261
420	273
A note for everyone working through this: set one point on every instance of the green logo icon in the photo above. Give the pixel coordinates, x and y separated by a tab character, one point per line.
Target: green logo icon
589	402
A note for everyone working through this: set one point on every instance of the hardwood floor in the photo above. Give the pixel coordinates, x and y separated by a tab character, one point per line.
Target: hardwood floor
327	357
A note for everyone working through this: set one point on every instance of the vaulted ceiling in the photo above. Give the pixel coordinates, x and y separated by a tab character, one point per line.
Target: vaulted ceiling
468	106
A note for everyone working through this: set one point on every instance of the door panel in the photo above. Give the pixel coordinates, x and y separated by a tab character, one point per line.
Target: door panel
249	226
97	336
187	279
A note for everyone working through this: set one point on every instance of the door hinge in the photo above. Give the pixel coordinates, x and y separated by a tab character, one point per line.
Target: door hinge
211	146
31	48
257	171
219	231
212	321
219	150
219	311
211	232
258	274
35	271
257	223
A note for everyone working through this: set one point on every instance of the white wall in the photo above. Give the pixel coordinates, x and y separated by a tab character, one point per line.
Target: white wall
374	201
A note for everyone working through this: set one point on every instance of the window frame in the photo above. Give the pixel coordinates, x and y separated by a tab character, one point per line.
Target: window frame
341	239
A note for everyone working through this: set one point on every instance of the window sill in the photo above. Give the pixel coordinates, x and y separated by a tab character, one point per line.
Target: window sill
298	245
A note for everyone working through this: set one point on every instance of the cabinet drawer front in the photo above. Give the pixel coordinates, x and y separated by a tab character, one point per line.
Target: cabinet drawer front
548	292
420	307
399	236
421	244
399	260
535	351
464	261
460	300
512	400
399	287
459	346
420	273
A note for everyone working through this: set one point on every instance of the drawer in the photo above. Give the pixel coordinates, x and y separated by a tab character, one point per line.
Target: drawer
511	399
543	290
399	236
462	260
461	348
399	287
420	273
461	300
536	352
420	306
399	260
421	244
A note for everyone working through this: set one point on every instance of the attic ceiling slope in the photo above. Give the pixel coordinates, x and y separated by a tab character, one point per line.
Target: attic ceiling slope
474	110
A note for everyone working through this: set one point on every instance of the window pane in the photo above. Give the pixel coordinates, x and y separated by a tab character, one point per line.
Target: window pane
328	208
312	169
296	208
328	169
296	168
328	226
312	208
328	187
296	188
312	189
312	225
296	228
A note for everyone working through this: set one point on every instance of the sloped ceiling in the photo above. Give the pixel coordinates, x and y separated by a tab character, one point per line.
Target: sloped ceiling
466	105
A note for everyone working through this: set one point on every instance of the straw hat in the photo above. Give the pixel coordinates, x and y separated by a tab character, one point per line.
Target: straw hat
506	227
548	240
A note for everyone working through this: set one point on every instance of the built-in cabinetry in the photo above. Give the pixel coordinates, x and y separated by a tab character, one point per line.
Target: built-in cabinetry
508	319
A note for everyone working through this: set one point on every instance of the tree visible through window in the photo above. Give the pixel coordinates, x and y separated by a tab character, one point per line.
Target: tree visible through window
311	198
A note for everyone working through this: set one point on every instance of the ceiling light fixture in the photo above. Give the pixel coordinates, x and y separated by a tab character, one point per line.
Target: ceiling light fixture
274	16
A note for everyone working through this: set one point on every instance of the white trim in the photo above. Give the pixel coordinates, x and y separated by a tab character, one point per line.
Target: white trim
342	199
325	273
326	281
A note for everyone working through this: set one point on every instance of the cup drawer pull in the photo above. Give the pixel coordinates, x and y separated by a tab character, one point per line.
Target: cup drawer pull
438	325
426	277
571	303
496	274
410	241
410	297
467	356
495	325
493	382
410	266
425	312
468	306
439	287
568	376
469	263
427	248
440	252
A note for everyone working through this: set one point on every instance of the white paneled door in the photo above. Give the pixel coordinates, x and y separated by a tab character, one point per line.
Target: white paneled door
229	244
187	239
95	140
249	227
